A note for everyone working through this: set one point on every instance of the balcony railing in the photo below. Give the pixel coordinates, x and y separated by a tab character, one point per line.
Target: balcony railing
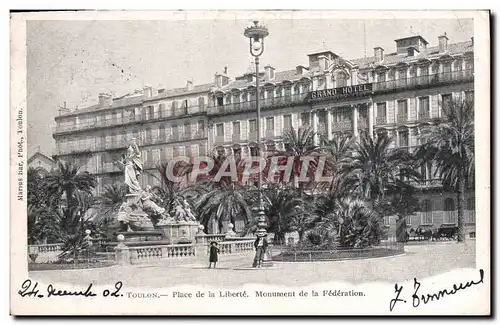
252	105
270	133
236	137
381	120
252	136
341	126
402	118
424	115
102	123
424	81
117	145
219	139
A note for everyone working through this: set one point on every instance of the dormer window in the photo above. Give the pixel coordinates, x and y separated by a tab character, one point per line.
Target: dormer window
341	79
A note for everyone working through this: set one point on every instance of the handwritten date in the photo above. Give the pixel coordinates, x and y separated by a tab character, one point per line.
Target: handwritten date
30	289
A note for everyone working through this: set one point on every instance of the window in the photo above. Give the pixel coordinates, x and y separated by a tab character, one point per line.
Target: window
424	109
270	123
202	150
175	132
342	114
236	128
341	80
381	110
151	111
187	129
287	122
449	210
401	74
446	101
381	76
220	129
469	97
426	212
403	107
176	152
403	138
162	110
201	127
253	125
201	102
220	101
305	118
254	151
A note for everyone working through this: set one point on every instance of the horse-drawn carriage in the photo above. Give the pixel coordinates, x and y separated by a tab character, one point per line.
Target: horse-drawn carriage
421	233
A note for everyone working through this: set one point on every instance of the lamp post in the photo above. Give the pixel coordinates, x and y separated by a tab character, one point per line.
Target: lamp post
256	35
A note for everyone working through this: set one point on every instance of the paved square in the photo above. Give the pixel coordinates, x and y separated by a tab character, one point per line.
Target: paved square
419	261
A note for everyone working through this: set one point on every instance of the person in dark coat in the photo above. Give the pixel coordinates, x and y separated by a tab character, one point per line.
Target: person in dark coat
260	245
214	255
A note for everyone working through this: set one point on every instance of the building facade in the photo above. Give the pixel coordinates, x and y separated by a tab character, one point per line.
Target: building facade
397	93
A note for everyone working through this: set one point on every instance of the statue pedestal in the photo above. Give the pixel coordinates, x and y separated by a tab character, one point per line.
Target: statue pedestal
179	232
140	219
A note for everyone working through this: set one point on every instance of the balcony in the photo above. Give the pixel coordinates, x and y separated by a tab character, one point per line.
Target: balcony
402	118
423	116
236	137
322	130
144	118
380	120
270	134
252	136
342	126
252	105
219	139
424	81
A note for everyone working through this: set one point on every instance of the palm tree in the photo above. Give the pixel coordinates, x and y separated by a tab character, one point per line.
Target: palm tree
298	145
380	170
282	205
110	200
338	152
348	220
68	179
37	195
223	203
450	146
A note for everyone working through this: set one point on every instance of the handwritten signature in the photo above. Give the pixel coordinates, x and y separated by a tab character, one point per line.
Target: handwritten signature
417	298
30	289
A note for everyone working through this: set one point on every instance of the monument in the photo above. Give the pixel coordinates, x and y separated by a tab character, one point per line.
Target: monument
135	214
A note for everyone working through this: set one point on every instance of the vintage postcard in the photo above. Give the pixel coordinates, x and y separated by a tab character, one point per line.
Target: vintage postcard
250	163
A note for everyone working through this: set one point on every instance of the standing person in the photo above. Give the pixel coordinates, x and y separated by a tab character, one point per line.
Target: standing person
260	245
214	255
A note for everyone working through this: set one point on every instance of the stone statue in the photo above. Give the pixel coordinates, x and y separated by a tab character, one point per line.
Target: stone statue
189	213
133	167
148	205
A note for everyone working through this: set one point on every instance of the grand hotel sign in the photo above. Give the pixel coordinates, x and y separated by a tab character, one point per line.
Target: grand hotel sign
348	91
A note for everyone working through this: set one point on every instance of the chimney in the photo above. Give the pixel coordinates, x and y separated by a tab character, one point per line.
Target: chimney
148	91
269	72
443	43
189	85
379	53
472	40
105	100
225	70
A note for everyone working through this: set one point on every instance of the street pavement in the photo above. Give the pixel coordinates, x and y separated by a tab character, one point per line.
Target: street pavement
233	271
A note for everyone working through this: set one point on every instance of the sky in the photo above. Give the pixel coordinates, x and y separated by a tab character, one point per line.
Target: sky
73	61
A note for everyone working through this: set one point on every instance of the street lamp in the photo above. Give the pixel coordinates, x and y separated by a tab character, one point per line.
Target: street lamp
256	35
